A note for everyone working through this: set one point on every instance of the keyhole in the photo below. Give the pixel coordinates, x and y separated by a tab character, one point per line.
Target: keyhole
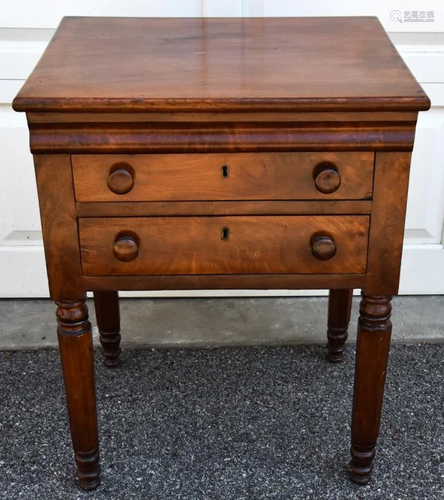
225	233
225	171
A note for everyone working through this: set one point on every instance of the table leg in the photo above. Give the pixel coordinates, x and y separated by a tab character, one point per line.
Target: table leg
372	349
339	308
76	353
108	321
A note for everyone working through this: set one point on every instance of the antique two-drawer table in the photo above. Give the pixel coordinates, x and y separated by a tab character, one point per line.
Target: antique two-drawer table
222	154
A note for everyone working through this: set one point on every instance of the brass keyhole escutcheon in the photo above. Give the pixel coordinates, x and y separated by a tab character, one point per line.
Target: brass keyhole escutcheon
225	234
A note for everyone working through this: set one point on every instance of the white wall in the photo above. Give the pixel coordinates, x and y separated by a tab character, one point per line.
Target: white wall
26	27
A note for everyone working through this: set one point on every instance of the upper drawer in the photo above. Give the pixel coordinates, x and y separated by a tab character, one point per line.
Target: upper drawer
223	176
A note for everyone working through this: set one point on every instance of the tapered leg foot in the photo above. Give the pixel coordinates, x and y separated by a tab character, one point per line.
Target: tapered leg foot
108	321
88	469
76	354
361	465
339	308
372	350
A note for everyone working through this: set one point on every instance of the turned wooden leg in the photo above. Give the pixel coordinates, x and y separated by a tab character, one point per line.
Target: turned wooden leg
339	308
372	349
76	353
108	321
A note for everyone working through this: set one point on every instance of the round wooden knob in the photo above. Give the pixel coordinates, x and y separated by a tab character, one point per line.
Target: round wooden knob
323	247
121	179
126	248
326	177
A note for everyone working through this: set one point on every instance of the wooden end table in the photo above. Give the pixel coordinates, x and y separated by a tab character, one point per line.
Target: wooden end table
222	154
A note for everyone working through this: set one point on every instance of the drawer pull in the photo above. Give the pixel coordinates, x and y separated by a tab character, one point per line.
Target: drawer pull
323	247
121	178
126	248
326	177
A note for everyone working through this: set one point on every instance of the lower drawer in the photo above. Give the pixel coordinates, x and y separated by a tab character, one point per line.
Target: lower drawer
223	245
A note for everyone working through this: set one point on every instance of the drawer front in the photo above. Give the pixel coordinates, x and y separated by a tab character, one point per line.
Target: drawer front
223	245
238	176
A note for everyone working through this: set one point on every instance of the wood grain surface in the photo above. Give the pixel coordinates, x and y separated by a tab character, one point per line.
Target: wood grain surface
241	176
59	225
230	119
238	64
387	222
226	282
195	245
88	137
77	357
171	208
222	117
372	353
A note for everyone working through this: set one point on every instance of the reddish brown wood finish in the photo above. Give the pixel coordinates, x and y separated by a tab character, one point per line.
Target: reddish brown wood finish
108	320
223	117
387	228
225	282
120	178
374	331
323	247
268	92
241	64
339	308
327	177
59	225
154	208
195	245
238	176
150	137
76	353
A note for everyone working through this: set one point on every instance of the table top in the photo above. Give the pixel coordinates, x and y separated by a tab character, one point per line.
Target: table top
291	64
